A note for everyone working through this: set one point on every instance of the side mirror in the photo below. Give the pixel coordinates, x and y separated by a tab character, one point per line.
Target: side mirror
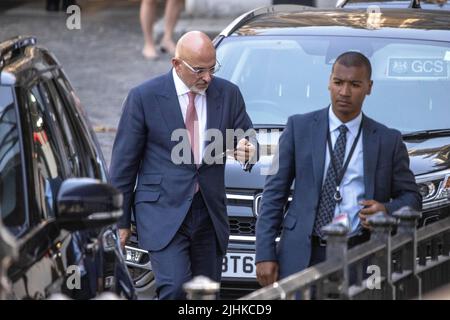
85	203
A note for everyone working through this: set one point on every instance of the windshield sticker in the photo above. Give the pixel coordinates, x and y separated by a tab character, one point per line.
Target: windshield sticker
417	68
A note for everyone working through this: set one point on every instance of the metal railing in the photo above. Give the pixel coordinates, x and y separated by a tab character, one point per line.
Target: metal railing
401	266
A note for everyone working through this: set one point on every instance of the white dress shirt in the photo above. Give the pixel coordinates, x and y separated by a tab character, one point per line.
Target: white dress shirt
200	107
352	184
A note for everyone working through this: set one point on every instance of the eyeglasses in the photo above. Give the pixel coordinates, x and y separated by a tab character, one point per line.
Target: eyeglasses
200	71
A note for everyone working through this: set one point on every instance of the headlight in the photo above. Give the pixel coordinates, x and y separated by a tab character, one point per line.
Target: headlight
445	192
435	189
428	190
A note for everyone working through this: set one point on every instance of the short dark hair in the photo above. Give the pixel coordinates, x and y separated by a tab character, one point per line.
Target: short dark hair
354	59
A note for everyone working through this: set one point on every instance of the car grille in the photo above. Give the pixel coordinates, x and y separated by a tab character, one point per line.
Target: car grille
242	226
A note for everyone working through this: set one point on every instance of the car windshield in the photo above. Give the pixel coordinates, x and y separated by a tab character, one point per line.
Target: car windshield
284	75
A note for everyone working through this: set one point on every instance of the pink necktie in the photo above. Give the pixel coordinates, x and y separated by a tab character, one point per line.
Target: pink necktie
192	127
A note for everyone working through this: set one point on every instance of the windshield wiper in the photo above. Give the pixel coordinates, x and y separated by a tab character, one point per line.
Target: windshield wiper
422	134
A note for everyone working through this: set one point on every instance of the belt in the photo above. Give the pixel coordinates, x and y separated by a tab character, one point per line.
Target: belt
351	242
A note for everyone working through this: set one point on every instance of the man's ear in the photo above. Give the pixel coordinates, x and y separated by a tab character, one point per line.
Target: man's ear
175	63
370	87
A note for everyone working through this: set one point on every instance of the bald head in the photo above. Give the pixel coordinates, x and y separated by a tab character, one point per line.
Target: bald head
195	45
194	52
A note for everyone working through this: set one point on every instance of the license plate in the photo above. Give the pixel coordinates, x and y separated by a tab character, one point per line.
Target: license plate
239	265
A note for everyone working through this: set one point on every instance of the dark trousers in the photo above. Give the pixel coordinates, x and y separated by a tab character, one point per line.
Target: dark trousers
193	251
318	254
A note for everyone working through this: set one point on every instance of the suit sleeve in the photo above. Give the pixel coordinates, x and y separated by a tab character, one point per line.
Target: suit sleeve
127	152
275	195
405	191
243	121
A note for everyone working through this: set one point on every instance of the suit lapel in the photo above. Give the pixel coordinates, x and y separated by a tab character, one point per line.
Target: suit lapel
370	155
319	128
170	106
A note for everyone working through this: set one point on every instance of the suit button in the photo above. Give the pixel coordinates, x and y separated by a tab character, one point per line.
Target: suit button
190	199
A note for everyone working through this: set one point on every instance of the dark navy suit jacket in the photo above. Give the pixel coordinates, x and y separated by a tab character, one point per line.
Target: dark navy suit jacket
163	192
302	147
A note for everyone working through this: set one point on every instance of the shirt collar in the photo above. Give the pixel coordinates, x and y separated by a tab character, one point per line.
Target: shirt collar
180	86
352	126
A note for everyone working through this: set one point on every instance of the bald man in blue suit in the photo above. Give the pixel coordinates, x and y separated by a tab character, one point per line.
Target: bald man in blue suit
179	208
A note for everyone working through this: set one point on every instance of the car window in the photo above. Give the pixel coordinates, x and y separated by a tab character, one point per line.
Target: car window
12	202
47	155
91	149
285	75
88	156
63	122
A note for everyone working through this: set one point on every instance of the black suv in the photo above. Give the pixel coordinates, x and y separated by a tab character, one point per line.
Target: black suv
281	58
54	196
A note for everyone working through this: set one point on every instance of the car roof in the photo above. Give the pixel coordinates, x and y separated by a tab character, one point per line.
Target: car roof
392	23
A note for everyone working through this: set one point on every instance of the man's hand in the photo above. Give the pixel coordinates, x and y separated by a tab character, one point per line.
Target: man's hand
370	207
124	235
244	151
267	272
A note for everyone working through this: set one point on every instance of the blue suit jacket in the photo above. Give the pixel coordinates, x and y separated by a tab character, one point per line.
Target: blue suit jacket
163	192
302	147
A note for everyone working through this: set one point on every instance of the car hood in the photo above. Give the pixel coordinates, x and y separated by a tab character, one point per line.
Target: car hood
429	155
426	156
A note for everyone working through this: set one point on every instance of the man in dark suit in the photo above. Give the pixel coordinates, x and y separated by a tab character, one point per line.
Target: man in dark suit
179	206
343	163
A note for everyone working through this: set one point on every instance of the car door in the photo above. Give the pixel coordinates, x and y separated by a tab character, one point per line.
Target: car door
40	270
86	254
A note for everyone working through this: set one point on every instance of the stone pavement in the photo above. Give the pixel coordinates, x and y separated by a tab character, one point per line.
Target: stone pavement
103	59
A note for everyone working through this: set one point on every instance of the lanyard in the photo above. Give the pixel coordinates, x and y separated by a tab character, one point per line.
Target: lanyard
340	174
